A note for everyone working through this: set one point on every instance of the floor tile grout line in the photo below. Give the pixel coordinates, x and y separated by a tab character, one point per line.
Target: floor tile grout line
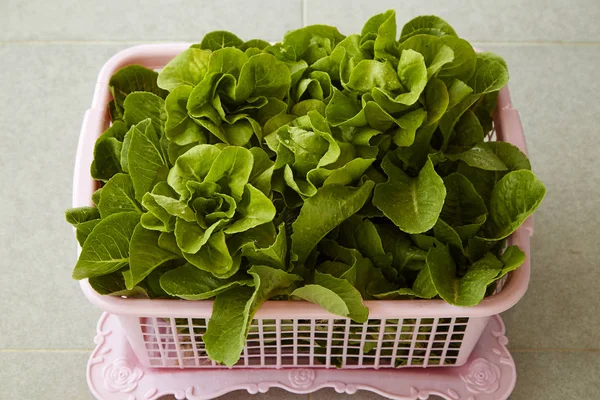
303	11
550	350
125	42
535	43
89	42
46	350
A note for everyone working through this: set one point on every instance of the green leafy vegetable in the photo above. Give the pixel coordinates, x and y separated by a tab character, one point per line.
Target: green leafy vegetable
328	208
145	159
215	186
335	295
129	79
180	128
107	152
461	291
106	249
78	216
463	208
191	283
233	311
146	254
311	157
187	68
413	204
274	256
325	168
515	197
426	24
118	196
84	219
142	105
512	258
113	284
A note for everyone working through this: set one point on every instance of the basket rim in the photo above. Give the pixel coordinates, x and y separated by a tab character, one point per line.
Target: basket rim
508	128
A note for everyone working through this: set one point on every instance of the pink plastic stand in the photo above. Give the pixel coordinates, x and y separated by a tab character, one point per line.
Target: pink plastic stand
113	373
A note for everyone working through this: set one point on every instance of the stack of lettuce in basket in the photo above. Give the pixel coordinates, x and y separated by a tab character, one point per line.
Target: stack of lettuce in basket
326	168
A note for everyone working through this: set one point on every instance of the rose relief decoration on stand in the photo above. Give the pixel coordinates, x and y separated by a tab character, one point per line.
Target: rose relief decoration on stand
113	375
121	376
302	378
482	377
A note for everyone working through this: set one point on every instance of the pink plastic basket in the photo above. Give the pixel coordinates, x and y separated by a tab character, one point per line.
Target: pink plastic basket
400	333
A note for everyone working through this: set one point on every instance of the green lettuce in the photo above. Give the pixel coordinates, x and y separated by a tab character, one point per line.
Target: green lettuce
324	168
215	202
311	157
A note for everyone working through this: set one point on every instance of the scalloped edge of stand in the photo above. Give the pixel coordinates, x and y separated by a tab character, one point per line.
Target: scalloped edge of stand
113	373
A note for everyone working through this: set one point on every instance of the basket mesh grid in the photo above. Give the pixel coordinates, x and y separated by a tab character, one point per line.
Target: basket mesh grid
326	343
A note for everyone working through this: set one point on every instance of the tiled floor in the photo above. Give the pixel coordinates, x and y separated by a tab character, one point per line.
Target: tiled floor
51	51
